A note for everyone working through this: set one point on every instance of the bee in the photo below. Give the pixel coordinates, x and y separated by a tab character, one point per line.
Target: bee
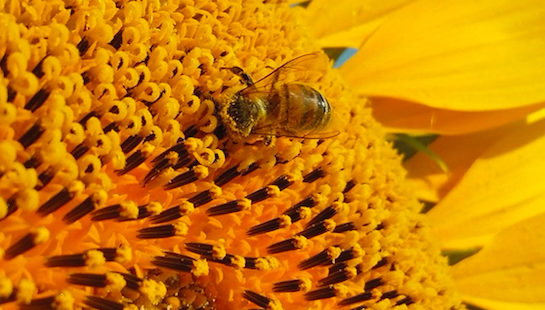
275	107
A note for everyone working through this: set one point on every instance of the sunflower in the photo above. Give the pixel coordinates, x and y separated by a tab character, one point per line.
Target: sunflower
124	185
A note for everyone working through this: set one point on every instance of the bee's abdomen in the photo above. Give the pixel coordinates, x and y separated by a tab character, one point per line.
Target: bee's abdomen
307	109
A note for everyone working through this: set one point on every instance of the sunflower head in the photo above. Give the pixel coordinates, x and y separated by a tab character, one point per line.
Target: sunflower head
120	187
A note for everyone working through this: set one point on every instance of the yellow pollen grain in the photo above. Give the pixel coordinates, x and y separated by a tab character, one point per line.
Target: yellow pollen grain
6	287
238	261
215	191
275	305
300	242
154	291
186	208
154	207
76	188
64	301
333	252
94	258
201	171
181	228
305	212
200	268
285	221
115	282
245	204
129	210
267	263
3	208
40	235
273	191
123	254
25	290
305	285
218	252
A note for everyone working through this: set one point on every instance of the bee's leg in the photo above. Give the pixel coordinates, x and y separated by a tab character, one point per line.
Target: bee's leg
269	140
244	77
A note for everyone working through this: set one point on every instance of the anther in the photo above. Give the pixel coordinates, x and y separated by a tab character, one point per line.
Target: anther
83	120
382	262
130	143
256	298
85	207
308	202
156	170
282	182
227	176
229	207
321	293
389	295
205	196
102	303
191	131
405	301
27	242
317	229
83	46
344	227
177	148
353	252
175	261
31	135
295	243
260	194
88	279
133	161
296	285
45	177
349	185
325	257
37	71
133	282
338	277
79	150
355	299
117	39
206	250
163	231
374	283
37	100
271	225
325	214
55	202
192	175
314	175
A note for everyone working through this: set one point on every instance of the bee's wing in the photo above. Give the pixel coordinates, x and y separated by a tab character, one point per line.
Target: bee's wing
310	135
285	73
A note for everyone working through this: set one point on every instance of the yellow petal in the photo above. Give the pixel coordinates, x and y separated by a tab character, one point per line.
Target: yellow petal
510	269
457	55
403	116
503	186
347	23
458	153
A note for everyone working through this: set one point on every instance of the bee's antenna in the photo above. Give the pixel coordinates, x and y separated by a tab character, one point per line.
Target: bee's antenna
245	78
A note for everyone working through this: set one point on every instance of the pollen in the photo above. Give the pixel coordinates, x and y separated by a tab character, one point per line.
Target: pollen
123	187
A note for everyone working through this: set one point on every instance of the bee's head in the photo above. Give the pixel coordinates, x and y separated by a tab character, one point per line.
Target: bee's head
240	115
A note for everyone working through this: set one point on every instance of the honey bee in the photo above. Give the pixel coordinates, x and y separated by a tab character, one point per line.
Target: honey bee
276	107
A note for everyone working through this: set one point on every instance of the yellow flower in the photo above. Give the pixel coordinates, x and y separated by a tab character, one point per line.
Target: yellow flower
123	187
473	71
